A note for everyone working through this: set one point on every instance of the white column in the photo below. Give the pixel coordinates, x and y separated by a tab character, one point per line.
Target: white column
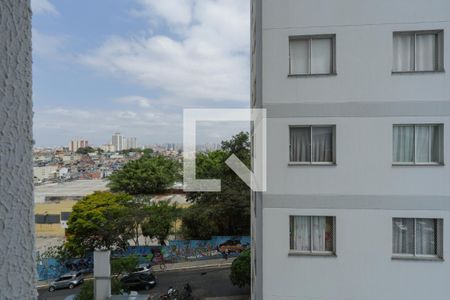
102	275
17	259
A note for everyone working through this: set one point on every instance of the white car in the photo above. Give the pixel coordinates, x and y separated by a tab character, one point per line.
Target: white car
143	268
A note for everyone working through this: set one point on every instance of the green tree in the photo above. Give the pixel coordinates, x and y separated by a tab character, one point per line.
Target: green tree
147	175
227	211
199	222
124	265
100	221
86	291
159	219
241	269
85	150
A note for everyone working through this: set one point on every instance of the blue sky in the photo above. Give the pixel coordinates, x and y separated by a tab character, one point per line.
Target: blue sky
132	66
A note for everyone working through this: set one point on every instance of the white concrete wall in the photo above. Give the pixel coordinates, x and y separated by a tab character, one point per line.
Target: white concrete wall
373	100
362	269
363	50
363	160
17	263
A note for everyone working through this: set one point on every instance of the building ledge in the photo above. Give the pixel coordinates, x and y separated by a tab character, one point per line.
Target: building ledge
417	72
314	254
418	258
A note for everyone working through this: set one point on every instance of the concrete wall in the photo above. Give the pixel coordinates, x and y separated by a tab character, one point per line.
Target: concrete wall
17	273
364	191
363	160
363	50
363	267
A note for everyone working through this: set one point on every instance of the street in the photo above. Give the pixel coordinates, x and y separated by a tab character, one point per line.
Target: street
212	282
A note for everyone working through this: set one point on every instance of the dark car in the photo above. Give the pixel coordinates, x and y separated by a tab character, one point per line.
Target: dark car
70	281
139	281
231	246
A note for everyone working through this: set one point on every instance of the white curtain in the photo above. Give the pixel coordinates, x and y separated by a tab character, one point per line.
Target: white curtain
403	52
322	144
318	233
427	143
321	56
300	142
403	236
425	52
426	237
299	56
403	144
301	239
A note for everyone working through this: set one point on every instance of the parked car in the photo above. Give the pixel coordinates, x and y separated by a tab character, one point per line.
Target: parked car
69	280
139	281
143	268
231	246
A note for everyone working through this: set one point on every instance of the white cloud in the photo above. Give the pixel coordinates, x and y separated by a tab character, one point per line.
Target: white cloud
209	61
135	100
43	7
177	12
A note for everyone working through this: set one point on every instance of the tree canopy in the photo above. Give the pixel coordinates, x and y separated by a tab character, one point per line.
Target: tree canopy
85	150
100	221
241	269
226	212
146	175
159	218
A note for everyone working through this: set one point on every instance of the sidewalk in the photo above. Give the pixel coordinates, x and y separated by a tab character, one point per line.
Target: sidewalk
172	267
196	264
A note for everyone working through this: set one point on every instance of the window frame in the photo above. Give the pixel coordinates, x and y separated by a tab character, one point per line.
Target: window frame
439	50
311	162
311	252
309	38
439	223
415	162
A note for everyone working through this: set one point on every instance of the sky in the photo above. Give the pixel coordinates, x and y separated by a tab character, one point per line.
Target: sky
132	66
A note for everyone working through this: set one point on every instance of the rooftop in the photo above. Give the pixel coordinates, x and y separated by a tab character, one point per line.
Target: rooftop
77	188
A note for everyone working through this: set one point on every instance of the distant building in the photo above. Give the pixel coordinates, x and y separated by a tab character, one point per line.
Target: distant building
131	143
76	144
108	148
45	173
117	141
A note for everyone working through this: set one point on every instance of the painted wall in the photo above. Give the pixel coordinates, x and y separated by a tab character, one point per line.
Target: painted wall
363	100
364	50
363	160
17	267
363	267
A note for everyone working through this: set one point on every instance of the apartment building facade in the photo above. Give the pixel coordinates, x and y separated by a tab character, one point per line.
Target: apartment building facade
357	204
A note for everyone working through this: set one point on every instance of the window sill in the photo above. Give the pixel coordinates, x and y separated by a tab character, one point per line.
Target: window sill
418	258
315	164
418	164
320	254
312	75
417	72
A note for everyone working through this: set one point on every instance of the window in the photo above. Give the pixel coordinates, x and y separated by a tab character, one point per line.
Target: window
312	55
312	234
418	51
417	237
312	144
418	144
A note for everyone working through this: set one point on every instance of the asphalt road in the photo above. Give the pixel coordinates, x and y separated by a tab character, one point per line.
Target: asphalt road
204	282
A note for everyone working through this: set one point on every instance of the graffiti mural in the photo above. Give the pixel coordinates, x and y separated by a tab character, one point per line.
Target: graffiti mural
176	251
